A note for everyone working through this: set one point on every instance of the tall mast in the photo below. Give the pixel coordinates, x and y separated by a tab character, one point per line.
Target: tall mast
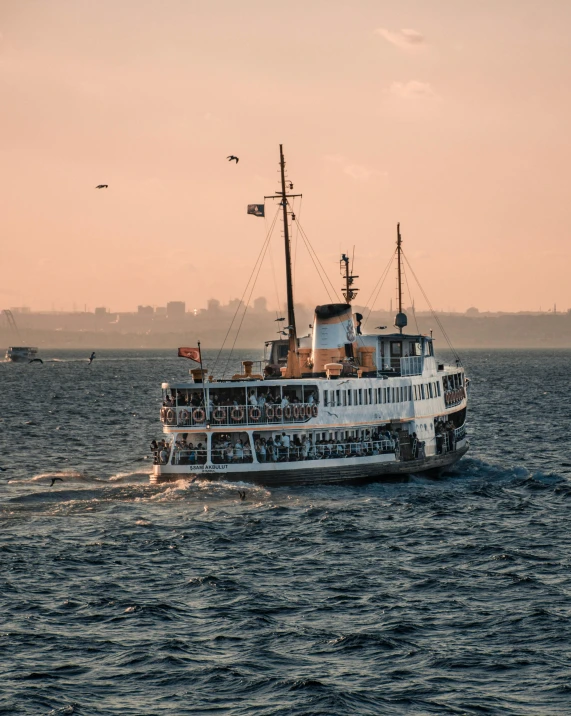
292	370
289	282
400	319
399	272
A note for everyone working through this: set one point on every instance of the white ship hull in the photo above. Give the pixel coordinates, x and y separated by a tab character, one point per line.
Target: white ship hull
312	472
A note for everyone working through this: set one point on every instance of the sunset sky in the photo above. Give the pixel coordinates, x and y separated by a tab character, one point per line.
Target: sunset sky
452	117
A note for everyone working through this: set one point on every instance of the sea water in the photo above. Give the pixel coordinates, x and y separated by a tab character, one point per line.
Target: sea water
429	596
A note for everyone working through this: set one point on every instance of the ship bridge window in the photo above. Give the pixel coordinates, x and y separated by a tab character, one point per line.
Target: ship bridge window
396	349
414	348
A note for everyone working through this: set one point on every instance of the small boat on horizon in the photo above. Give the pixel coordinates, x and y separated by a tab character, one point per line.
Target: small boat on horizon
22	354
333	406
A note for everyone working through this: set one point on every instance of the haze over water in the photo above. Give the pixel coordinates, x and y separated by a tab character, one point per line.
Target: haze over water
448	596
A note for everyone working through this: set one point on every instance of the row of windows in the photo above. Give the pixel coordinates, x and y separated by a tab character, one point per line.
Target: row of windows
427	390
380	396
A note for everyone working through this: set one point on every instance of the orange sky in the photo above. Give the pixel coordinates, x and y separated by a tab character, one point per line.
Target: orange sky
457	126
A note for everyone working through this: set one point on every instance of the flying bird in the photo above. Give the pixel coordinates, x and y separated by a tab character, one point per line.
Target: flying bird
233	158
54	480
380	328
279	319
102	186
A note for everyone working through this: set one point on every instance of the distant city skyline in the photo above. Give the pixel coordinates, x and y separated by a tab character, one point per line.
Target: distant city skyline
182	309
450	118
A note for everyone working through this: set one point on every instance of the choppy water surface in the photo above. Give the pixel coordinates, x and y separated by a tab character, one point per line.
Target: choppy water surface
449	596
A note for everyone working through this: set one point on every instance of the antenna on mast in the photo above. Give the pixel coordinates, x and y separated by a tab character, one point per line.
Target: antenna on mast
348	292
400	319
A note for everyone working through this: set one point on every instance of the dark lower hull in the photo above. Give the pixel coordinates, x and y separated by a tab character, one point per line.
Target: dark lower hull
315	474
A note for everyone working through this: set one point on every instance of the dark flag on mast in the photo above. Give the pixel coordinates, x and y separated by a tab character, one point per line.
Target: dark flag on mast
256	209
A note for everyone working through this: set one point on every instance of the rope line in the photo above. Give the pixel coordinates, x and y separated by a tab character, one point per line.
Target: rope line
262	251
310	249
381	281
454	351
247	302
411	299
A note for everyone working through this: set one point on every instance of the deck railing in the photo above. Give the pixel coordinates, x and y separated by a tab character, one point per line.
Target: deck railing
251	415
295	453
411	365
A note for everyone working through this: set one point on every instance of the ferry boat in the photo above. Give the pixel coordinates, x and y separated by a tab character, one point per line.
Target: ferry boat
334	406
21	354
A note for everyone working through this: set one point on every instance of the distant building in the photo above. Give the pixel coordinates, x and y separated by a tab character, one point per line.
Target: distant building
101	311
176	309
20	309
161	311
145	310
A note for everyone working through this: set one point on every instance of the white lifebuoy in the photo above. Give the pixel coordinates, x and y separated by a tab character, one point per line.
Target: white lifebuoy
237	413
270	412
296	412
314	410
255	414
288	410
170	416
183	416
219	415
198	415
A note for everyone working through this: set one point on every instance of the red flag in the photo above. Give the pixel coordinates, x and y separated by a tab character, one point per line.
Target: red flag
192	353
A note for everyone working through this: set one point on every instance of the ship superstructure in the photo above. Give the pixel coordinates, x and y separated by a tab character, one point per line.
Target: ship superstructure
330	407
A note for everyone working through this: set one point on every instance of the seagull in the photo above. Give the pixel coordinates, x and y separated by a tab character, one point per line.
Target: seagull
54	479
280	319
102	186
380	328
233	158
290	186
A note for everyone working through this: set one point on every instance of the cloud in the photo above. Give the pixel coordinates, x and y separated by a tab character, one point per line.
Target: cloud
360	172
405	39
412	90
